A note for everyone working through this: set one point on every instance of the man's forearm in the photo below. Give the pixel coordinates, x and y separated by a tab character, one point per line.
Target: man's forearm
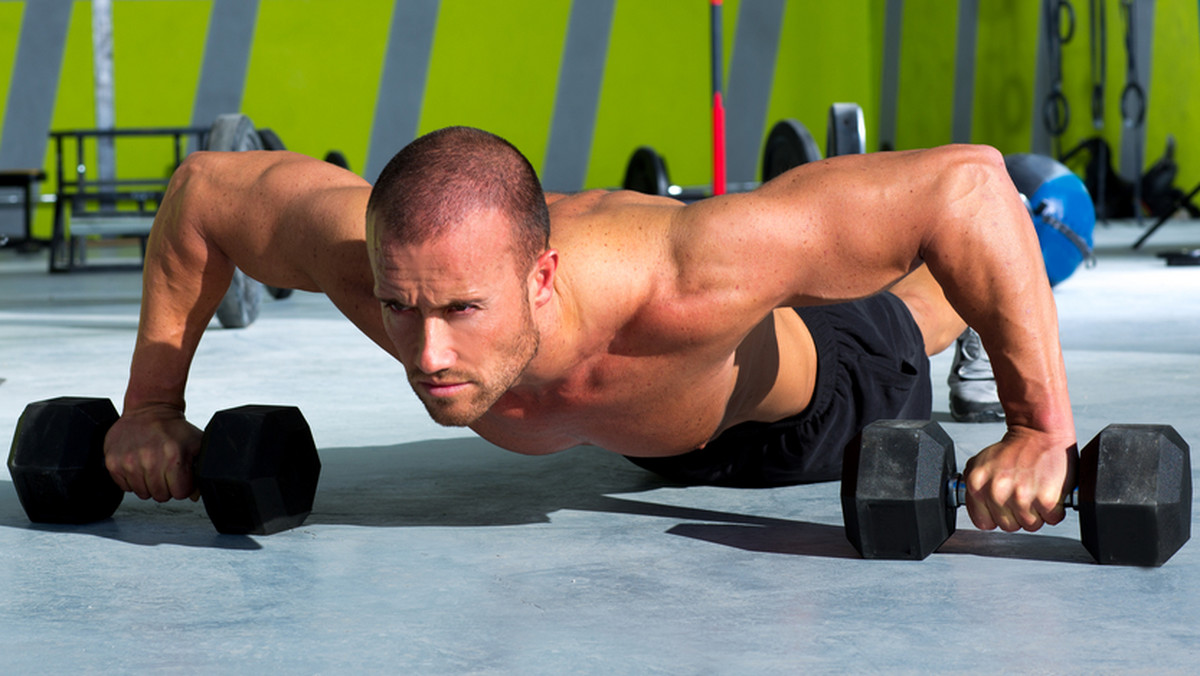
987	258
183	280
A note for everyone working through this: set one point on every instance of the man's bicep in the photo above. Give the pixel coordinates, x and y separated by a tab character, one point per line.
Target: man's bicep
763	249
294	222
284	217
830	232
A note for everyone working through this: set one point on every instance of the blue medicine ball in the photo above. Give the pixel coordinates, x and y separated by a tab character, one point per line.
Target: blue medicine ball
1057	197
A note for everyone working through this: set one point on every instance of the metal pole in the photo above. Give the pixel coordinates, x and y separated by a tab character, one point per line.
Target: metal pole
102	74
890	96
964	70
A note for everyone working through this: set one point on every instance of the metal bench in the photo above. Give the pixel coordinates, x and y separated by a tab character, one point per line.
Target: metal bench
88	207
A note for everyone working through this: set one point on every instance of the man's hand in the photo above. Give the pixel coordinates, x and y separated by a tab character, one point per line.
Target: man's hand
1020	481
149	452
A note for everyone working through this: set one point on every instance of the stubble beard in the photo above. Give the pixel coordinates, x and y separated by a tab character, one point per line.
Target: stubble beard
517	354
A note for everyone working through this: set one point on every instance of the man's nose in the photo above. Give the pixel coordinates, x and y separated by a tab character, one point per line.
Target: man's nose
437	351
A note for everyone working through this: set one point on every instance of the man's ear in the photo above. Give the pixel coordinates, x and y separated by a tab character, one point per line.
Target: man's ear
541	283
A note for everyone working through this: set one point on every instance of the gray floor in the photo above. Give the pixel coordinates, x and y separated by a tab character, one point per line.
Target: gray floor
431	552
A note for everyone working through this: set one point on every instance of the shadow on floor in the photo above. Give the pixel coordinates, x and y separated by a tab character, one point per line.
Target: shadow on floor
1022	546
470	483
136	523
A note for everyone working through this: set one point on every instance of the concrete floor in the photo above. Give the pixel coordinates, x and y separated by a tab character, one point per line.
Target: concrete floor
432	552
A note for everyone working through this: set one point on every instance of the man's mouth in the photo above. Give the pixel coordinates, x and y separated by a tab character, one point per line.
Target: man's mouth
442	389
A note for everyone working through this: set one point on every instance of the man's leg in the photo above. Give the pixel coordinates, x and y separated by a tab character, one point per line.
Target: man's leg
973	396
939	323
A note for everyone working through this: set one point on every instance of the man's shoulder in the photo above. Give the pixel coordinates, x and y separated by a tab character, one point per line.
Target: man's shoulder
614	247
593	202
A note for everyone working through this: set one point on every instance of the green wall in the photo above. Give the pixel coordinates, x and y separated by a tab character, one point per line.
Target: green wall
825	55
495	66
926	99
657	91
315	66
157	50
1175	92
314	73
1005	59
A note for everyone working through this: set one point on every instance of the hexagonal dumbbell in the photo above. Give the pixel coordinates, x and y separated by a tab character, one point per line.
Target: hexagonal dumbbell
1135	494
894	489
57	461
257	470
900	490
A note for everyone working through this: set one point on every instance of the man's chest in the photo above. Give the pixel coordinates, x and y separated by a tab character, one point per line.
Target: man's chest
633	405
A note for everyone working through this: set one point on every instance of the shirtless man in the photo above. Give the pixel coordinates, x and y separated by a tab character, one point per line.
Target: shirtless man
701	340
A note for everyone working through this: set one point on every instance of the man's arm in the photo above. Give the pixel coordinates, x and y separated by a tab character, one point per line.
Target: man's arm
284	219
851	227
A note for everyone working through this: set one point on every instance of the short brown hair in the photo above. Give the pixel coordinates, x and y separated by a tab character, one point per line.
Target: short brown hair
440	178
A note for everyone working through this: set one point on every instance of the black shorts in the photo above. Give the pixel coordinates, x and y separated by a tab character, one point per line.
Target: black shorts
871	365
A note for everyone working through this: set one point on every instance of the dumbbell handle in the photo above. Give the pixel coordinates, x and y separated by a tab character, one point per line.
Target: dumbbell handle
957	495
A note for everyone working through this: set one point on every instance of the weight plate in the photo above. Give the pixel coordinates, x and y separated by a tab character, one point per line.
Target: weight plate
788	145
647	172
270	140
234	132
847	133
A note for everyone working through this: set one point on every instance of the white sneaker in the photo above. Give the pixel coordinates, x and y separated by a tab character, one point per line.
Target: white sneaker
973	396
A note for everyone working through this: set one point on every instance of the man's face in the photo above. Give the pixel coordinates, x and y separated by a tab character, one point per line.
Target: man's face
458	314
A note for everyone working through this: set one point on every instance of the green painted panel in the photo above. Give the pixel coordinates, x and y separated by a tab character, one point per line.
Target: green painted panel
877	11
925	108
75	105
1077	77
1077	80
314	73
10	35
1174	92
657	91
1005	64
158	49
495	66
825	56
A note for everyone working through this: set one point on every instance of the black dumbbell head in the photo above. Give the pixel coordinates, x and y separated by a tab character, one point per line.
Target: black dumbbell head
57	461
894	489
258	471
1135	494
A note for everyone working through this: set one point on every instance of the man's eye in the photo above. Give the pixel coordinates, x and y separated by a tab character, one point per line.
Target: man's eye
460	308
392	306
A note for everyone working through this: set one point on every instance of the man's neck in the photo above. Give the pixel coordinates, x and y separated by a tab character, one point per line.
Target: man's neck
558	346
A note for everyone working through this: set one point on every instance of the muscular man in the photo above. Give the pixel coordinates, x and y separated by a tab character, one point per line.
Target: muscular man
714	342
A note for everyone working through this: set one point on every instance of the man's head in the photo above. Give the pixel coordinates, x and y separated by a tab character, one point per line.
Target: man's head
438	180
458	236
